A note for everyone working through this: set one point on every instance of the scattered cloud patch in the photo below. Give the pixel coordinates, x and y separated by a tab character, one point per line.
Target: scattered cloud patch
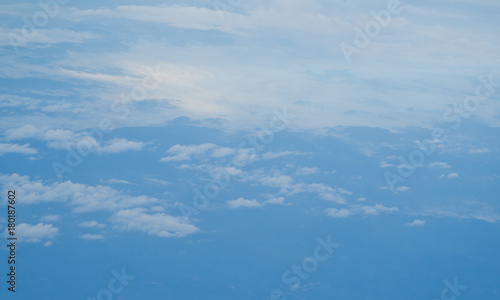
440	165
278	200
416	223
90	224
375	210
403	189
306	171
64	139
89	236
16	148
242	202
51	218
83	198
37	233
178	152
159	224
479	151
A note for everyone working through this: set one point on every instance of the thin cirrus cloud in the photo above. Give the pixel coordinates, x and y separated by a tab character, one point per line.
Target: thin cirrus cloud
16	37
219	84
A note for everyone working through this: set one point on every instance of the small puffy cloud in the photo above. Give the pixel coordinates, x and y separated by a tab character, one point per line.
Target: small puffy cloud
453	175
416	223
241	202
16	148
37	233
402	188
91	224
159	224
439	165
89	236
306	171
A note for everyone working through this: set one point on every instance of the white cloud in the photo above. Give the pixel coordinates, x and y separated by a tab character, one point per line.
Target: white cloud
222	152
306	171
327	193
81	197
51	218
375	210
16	148
160	224
479	151
36	233
402	189
43	36
384	164
18	101
89	236
338	213
453	175
63	139
178	152
157	181
241	202
416	223
207	19
278	200
440	165
117	181
117	145
272	155
91	224
237	156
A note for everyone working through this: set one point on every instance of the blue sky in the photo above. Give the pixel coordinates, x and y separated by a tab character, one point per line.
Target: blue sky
251	149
